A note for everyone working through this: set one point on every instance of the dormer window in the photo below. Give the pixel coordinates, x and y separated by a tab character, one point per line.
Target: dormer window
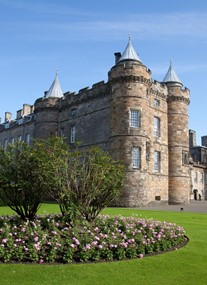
20	121
6	126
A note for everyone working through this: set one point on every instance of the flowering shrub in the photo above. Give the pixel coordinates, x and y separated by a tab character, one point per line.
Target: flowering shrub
50	239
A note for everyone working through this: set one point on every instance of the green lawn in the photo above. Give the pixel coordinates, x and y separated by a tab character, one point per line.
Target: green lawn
184	266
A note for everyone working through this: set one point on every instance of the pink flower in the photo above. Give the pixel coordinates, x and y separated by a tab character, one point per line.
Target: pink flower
37	246
4	240
36	239
88	246
140	255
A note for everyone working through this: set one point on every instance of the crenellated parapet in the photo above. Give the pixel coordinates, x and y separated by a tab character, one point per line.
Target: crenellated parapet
98	90
44	104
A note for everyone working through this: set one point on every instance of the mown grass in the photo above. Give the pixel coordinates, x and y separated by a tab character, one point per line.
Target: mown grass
184	266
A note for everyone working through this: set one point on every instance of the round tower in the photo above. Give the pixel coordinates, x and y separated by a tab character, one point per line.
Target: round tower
178	139
46	110
129	123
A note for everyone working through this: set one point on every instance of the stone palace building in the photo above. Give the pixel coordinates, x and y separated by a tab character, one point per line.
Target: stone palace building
138	120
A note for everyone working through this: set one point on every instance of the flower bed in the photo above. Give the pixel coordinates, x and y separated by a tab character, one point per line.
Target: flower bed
50	239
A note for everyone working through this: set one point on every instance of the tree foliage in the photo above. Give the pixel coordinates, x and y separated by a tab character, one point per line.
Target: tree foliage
26	175
83	182
92	181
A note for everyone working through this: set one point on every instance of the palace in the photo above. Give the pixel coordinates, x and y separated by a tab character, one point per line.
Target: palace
137	120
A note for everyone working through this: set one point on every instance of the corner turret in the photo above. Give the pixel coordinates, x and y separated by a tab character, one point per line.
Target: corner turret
178	139
46	110
129	81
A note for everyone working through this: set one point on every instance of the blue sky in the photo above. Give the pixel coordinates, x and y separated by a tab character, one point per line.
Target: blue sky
79	38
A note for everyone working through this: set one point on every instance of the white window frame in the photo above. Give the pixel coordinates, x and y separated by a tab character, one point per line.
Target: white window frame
72	134
201	178
5	143
195	177
134	118
156	127
12	140
28	138
157	161
136	157
19	138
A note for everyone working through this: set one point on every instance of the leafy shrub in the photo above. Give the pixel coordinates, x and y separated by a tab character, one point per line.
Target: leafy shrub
90	181
27	174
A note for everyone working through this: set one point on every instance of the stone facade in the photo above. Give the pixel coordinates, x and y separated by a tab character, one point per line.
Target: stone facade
142	122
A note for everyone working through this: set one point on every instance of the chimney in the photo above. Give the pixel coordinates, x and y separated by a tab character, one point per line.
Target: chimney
19	113
117	56
204	141
192	138
8	116
26	109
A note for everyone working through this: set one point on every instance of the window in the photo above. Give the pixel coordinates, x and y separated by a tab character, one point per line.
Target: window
156	127
73	112
205	178
201	178
20	121
157	161
72	134
136	157
7	125
5	143
134	118
12	140
20	138
28	138
156	103
196	177
62	132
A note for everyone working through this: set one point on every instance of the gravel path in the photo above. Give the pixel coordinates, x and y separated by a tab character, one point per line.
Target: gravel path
194	206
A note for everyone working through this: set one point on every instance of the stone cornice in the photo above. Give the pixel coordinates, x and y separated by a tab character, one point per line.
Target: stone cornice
130	78
157	93
178	99
46	108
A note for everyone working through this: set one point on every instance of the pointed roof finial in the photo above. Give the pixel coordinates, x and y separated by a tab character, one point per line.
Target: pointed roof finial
55	89
129	53
171	75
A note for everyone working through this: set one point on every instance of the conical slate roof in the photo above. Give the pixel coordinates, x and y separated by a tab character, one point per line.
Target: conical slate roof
55	89
129	53
171	75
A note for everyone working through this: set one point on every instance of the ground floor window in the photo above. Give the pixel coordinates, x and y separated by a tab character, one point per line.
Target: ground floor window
136	152
157	161
72	134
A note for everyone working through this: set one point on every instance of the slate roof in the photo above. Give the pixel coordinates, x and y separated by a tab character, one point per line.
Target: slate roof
55	89
171	75
129	53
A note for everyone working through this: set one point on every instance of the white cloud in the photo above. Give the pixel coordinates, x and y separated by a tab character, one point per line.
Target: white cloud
182	26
